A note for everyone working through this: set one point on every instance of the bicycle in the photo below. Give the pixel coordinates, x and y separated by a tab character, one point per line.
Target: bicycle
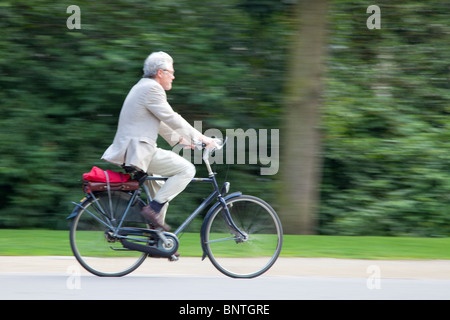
241	234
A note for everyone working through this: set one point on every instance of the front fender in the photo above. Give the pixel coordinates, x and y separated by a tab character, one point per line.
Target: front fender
208	215
78	207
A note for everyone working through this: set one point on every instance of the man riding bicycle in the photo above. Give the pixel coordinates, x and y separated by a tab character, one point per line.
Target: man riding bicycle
145	114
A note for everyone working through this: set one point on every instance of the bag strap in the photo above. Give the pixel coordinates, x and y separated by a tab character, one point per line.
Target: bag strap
108	187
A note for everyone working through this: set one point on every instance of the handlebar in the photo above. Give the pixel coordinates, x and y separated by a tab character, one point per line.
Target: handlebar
207	152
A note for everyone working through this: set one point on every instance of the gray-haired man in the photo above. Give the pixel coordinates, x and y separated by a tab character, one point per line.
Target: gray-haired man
145	114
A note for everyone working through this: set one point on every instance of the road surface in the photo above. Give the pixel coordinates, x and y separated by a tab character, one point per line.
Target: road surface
61	278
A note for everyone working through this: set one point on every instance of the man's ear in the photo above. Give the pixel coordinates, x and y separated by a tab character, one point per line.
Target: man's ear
159	73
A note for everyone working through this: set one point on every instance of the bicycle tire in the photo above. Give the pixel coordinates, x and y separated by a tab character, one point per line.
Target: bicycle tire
235	256
91	245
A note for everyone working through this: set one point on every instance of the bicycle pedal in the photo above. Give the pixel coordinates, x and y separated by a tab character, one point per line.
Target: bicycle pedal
173	258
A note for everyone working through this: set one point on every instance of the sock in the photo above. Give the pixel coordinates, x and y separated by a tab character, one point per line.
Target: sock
156	206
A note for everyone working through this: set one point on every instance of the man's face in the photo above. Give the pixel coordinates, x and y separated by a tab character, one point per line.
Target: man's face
165	77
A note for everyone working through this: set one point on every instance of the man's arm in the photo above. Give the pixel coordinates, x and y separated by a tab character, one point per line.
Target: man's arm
173	127
171	136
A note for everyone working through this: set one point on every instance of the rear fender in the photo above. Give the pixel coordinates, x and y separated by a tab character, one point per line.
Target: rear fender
78	206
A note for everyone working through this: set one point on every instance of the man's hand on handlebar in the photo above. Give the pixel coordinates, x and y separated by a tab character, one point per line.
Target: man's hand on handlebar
205	142
209	143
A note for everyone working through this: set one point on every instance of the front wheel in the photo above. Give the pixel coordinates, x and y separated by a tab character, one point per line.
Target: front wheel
250	252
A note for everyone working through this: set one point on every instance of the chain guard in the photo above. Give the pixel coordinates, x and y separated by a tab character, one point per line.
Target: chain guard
160	248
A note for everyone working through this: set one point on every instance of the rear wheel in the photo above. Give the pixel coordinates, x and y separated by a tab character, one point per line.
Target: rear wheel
93	242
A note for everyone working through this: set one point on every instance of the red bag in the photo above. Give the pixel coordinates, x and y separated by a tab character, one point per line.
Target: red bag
98	175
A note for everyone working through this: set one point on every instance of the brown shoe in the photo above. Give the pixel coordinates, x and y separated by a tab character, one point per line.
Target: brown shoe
154	218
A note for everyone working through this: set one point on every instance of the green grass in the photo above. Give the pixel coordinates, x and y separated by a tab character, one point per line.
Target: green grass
366	247
56	243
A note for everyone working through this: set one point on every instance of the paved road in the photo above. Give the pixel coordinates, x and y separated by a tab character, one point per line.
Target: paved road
184	287
61	278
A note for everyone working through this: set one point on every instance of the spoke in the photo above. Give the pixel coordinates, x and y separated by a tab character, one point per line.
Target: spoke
225	239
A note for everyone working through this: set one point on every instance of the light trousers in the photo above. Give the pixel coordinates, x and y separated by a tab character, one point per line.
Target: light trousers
180	172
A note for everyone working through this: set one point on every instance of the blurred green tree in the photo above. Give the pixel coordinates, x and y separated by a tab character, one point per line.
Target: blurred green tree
385	121
62	89
382	165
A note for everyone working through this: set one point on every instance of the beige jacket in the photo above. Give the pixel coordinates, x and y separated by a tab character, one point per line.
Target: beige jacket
145	114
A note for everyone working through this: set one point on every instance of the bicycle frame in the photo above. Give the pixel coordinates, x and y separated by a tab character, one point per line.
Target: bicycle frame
215	194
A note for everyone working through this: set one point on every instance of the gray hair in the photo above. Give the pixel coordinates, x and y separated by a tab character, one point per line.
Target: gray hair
156	61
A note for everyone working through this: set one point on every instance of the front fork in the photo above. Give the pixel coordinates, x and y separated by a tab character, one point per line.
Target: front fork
240	235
